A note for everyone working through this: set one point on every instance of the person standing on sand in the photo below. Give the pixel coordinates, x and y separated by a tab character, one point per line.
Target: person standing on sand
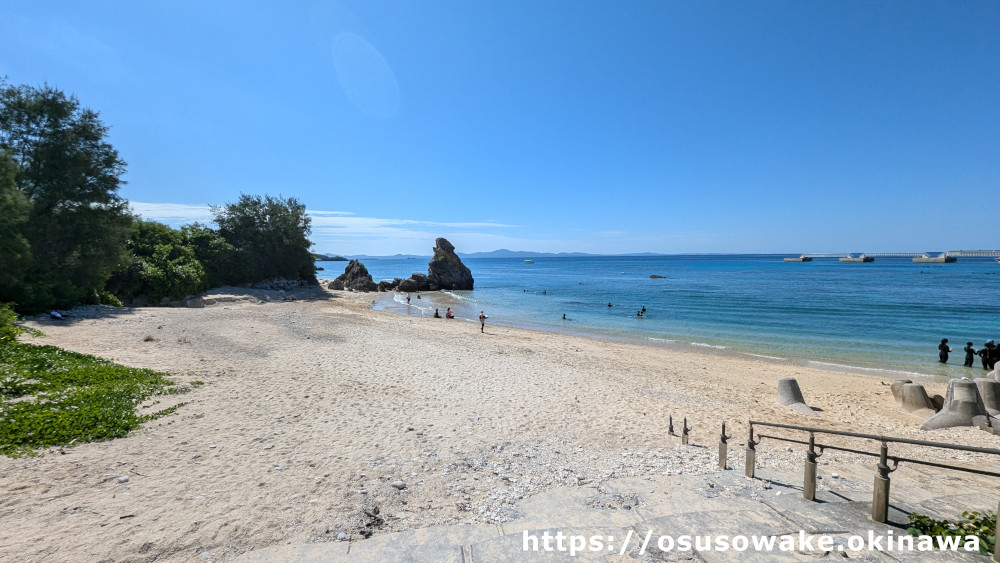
970	354
943	350
482	322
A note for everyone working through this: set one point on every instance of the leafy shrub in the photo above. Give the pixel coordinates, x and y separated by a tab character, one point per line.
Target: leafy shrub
67	397
980	525
160	265
9	329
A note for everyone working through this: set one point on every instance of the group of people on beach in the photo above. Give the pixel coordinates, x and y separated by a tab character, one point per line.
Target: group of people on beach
989	353
449	315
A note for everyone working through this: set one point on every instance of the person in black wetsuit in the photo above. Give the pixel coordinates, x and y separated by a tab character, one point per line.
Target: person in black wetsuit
943	350
984	353
970	354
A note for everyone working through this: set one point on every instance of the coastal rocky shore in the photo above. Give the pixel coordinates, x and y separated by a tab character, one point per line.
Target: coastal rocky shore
318	419
444	271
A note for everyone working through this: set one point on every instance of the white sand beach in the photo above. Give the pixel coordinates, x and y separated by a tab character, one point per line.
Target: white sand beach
317	409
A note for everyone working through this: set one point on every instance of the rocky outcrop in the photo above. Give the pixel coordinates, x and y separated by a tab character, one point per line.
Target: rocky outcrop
416	282
389	285
354	278
446	270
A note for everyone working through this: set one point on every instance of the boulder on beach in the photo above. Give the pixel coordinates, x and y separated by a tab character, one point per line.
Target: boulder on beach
446	270
354	278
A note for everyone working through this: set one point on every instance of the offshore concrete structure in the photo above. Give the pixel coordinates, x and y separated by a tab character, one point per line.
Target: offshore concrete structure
918	257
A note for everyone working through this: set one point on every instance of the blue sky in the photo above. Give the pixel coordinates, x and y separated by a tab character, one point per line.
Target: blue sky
604	127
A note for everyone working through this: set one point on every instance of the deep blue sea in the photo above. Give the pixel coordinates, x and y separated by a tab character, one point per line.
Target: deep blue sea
886	315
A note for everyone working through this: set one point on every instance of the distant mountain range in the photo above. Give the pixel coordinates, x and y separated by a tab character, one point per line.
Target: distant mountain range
502	253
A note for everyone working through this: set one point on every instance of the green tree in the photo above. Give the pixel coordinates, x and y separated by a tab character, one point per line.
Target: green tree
15	253
160	264
222	262
70	176
272	232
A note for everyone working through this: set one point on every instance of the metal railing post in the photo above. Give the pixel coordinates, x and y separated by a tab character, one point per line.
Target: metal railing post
684	433
880	497
751	455
723	447
809	481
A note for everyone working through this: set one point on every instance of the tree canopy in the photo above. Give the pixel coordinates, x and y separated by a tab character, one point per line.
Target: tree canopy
70	175
67	237
272	232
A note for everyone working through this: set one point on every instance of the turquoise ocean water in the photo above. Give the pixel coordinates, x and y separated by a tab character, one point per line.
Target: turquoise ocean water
885	317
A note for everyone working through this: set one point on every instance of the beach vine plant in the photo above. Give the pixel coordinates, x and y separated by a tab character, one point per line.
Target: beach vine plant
53	397
975	523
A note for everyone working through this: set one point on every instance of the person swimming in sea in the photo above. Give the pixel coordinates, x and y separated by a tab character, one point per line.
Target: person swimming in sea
609	304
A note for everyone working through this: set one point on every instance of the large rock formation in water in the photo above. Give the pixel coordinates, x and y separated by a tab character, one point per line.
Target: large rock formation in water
446	270
354	278
416	282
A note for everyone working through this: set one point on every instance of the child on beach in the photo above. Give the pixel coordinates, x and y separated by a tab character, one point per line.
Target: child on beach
970	354
482	322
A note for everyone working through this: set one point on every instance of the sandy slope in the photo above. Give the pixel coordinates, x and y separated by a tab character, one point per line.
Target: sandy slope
327	390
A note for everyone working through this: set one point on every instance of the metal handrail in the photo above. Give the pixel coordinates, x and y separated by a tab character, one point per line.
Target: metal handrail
896	459
878	437
880	494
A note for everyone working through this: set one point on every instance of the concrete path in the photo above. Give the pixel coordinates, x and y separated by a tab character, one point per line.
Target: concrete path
622	512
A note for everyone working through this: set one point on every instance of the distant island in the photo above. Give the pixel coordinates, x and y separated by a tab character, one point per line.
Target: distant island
501	253
328	258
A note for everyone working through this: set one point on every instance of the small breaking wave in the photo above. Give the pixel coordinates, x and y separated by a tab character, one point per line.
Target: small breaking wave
858	369
703	345
768	357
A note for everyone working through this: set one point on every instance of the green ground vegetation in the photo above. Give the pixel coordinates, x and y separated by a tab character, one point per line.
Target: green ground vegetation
53	397
977	524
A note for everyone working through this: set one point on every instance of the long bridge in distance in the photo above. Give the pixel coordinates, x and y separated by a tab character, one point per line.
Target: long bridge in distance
919	257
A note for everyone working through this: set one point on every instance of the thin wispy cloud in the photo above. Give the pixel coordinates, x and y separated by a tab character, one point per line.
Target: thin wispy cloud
342	231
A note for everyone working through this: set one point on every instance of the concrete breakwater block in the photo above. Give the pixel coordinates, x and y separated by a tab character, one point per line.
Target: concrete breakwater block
989	390
963	406
913	399
790	395
897	390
